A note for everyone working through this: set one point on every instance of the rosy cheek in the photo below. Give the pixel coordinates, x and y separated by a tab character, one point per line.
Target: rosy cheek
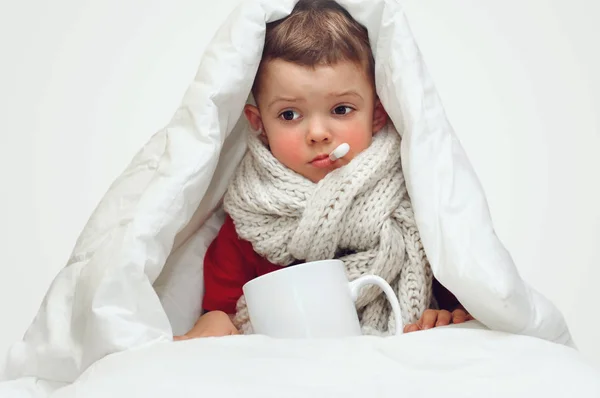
288	149
358	138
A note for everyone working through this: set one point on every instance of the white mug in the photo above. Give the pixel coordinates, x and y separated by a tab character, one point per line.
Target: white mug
310	300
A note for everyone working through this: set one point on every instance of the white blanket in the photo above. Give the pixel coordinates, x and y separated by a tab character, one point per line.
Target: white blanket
134	277
447	362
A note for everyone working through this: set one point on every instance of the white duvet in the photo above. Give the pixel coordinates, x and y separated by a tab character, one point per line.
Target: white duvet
135	276
448	362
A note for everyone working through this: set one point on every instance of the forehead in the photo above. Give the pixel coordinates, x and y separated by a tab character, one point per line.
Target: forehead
279	76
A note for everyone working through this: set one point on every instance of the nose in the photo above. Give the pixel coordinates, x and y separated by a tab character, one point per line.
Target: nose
318	132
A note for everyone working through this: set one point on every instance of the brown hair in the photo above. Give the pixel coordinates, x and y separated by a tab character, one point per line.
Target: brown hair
317	32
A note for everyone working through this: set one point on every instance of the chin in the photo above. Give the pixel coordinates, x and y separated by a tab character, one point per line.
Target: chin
316	177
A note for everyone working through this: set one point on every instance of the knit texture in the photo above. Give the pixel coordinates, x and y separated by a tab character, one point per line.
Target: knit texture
359	213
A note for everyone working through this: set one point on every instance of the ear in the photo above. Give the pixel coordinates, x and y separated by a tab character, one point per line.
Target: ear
252	113
380	117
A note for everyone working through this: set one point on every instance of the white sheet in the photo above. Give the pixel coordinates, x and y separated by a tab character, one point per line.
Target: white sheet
108	298
447	362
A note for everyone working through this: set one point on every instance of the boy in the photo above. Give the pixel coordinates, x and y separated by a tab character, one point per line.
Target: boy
315	89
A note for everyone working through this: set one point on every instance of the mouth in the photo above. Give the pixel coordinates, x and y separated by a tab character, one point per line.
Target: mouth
320	157
321	161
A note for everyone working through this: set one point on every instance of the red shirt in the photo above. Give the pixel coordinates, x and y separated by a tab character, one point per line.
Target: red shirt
230	262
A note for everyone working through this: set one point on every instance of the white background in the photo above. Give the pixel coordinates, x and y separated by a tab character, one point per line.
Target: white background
83	84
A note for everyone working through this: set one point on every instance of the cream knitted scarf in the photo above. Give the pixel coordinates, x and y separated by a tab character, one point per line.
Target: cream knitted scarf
360	213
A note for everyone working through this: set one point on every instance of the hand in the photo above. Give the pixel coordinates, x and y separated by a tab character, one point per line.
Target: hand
211	324
435	318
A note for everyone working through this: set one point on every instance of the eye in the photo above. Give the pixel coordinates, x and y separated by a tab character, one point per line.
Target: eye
342	110
289	115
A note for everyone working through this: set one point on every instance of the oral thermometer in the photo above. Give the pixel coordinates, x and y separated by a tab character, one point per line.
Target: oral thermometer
339	152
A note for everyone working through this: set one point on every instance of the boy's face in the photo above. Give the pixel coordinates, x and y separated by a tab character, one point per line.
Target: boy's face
305	113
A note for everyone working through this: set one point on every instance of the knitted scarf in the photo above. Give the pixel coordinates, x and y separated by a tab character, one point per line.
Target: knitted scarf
359	213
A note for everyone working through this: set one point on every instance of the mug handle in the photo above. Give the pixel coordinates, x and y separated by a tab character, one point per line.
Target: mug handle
358	283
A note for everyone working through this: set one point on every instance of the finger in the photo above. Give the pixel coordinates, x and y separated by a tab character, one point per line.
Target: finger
444	318
459	316
470	317
180	338
413	327
428	319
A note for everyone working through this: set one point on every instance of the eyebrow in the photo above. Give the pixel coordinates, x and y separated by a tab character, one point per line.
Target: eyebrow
279	98
351	93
